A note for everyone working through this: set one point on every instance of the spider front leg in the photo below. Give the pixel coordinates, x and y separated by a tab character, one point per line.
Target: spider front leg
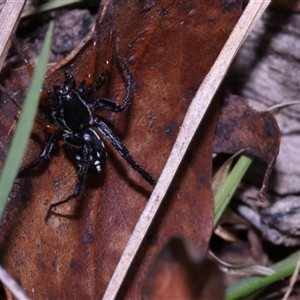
45	153
90	84
123	151
110	105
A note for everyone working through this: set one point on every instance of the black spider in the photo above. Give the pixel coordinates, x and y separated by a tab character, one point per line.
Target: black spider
71	115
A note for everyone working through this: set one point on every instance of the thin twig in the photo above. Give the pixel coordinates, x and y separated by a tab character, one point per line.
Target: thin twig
9	17
293	279
12	285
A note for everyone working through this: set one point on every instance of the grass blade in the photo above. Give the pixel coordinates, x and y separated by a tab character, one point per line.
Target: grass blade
225	193
55	4
251	284
25	123
282	269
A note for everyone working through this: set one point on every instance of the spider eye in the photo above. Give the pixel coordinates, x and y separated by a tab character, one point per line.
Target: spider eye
57	89
87	137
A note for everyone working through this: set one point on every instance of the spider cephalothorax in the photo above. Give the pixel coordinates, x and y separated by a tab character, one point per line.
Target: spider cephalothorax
71	118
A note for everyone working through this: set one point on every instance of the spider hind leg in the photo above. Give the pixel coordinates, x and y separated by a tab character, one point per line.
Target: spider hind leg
77	190
45	153
89	153
123	151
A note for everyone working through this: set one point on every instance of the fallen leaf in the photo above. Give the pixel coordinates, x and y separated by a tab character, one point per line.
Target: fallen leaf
170	47
242	128
181	271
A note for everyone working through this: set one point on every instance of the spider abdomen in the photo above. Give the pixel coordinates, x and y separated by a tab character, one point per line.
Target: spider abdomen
89	148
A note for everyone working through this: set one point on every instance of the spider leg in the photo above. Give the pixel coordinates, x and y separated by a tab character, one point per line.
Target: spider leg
79	185
123	151
16	103
28	65
70	77
45	92
110	105
48	146
95	85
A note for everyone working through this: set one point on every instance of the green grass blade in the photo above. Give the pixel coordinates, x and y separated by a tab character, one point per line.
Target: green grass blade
25	123
225	193
282	269
55	4
249	285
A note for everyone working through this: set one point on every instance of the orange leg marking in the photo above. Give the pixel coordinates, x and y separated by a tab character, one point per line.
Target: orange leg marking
90	79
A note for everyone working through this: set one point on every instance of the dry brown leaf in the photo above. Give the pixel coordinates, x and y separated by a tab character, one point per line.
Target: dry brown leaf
181	271
242	128
169	52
